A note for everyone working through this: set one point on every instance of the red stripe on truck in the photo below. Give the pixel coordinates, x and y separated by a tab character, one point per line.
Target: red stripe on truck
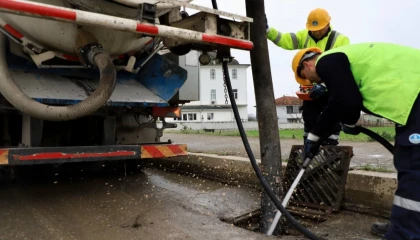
13	31
147	29
242	44
60	155
37	10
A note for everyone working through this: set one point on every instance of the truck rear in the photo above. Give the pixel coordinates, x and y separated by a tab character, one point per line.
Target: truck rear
87	80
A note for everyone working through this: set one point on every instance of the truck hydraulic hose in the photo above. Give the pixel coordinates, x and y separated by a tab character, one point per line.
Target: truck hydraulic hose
26	105
254	164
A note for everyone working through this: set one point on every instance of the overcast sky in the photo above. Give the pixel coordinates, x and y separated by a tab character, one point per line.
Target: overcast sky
360	20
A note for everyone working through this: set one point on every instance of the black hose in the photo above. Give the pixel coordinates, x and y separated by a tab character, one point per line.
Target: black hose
257	170
378	138
214	3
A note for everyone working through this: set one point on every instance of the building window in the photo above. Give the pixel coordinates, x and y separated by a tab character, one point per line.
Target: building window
210	116
235	93
212	74
293	120
293	109
234	73
213	95
192	116
184	117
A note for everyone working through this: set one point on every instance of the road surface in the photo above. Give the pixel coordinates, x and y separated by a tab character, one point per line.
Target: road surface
70	202
371	153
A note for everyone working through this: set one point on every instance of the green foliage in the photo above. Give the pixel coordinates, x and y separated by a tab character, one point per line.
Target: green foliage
369	167
386	132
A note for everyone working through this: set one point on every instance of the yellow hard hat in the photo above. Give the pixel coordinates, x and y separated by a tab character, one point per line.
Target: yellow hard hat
317	19
298	59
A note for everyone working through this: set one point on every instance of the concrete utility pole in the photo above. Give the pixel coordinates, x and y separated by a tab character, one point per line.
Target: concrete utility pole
266	110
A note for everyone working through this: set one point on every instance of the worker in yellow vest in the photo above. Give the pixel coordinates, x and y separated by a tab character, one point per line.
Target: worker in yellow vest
318	33
382	79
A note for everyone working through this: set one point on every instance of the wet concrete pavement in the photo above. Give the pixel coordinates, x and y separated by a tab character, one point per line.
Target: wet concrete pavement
371	153
71	202
347	226
57	204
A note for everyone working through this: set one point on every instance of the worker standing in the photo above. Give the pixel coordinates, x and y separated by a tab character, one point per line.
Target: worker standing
381	79
318	33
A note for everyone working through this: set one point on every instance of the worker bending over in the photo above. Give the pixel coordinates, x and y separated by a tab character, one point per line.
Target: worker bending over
318	33
382	79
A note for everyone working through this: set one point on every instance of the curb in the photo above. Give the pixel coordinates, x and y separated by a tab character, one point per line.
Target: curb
370	192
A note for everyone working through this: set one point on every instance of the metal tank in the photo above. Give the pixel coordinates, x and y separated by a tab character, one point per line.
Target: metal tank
61	36
90	80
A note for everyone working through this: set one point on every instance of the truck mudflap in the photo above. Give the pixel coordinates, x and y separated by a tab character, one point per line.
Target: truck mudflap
53	155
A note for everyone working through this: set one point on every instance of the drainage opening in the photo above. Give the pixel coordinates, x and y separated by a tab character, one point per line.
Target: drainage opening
251	222
319	193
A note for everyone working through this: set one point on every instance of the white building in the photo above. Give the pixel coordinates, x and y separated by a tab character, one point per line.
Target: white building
211	106
288	109
370	120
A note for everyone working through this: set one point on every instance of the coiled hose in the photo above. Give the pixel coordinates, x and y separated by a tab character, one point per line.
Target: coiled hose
25	104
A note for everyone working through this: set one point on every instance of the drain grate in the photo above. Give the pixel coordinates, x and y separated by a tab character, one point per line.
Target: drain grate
321	188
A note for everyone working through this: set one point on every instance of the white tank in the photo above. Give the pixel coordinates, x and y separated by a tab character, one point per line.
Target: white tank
61	36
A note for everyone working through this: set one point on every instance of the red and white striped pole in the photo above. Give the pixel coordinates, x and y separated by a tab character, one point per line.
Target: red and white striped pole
47	11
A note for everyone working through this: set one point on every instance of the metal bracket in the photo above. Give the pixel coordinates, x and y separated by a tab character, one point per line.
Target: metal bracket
159	131
39	58
206	9
223	54
42	57
31	131
147	12
129	67
31	49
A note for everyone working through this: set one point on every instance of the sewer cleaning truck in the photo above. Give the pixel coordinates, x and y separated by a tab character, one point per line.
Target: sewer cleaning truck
94	80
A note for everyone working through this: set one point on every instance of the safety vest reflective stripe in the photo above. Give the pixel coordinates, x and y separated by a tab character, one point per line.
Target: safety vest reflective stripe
334	39
294	40
332	42
277	40
407	203
306	41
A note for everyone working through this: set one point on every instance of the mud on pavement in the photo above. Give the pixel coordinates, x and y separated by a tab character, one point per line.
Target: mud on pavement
73	202
70	202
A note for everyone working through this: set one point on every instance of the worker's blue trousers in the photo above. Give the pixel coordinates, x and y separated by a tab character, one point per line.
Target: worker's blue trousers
405	215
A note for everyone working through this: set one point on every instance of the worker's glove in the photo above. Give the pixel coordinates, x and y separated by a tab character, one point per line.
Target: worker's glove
310	149
351	129
318	91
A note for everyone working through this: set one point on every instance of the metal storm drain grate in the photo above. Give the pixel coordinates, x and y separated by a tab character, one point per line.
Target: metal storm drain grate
321	189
